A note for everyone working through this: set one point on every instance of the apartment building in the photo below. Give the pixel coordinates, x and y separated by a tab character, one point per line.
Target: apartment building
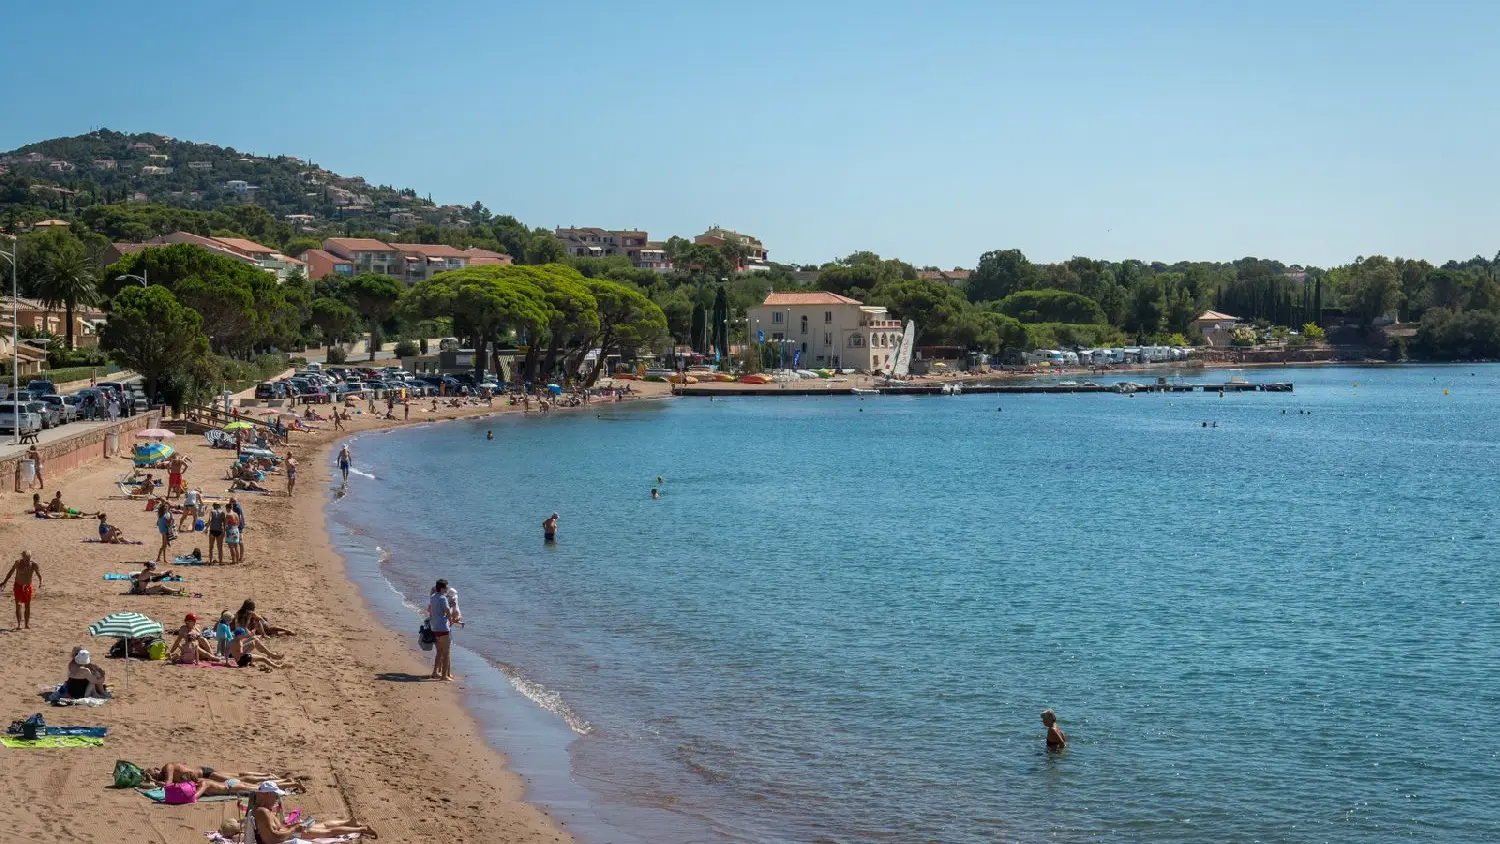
755	259
322	263
589	242
200	165
421	261
957	278
368	255
239	249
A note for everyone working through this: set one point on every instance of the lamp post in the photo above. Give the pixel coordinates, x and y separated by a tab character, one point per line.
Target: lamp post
132	277
15	349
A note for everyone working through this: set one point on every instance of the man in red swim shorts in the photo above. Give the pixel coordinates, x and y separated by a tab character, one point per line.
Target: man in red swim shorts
25	570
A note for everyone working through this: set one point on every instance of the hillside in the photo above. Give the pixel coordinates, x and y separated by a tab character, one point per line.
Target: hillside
65	175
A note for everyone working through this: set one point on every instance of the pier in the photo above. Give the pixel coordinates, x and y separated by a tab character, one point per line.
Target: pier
793	389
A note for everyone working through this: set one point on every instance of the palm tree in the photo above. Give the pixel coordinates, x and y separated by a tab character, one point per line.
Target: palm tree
68	280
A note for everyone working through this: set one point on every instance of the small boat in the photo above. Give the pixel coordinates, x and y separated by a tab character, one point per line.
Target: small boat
859	391
952	390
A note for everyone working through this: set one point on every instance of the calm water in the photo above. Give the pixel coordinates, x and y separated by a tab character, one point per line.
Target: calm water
843	617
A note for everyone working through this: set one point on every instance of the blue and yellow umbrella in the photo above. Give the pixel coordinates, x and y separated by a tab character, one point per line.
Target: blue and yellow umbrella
147	454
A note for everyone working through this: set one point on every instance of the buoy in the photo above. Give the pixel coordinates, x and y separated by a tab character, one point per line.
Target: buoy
1445	391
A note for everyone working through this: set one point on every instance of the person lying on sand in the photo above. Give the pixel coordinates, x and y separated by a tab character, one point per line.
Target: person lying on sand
258	626
55	510
148	582
85	679
243	647
110	534
175	772
238	485
188	791
265	819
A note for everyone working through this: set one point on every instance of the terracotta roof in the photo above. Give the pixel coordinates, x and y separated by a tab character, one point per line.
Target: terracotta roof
817	298
486	256
1216	316
128	248
243	245
431	250
359	244
331	258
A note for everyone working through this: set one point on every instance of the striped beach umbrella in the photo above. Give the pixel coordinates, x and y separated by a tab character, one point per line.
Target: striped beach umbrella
152	452
127	626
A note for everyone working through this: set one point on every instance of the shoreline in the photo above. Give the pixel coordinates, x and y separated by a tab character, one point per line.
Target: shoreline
408	758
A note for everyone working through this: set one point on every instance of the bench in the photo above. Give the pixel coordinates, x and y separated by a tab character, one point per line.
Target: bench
29	437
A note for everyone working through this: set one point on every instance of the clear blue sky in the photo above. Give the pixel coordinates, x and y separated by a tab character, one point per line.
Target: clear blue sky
1308	131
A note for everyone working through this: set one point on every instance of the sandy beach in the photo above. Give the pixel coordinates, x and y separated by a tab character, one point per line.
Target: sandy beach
352	717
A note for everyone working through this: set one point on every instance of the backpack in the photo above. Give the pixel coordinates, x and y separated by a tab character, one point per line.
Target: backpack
128	774
425	637
34	727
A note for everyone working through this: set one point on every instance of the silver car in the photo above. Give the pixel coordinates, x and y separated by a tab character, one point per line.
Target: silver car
65	411
50	416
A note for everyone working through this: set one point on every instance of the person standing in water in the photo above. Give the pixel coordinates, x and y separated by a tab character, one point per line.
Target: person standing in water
549	528
344	459
1055	739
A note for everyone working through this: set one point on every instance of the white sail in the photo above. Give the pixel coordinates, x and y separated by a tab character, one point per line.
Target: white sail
902	367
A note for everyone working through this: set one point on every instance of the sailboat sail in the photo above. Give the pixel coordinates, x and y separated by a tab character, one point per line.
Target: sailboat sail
902	367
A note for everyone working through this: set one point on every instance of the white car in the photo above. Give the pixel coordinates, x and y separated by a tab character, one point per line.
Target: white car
30	423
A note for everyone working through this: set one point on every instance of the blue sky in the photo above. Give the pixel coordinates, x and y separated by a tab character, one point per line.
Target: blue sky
1309	131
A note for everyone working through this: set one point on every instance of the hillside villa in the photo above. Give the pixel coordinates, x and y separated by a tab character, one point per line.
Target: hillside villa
1217	328
827	330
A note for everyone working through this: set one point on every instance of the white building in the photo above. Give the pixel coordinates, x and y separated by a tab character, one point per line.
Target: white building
827	330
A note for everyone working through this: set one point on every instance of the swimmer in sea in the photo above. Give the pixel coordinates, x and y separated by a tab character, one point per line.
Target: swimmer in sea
489	435
1055	739
654	493
549	528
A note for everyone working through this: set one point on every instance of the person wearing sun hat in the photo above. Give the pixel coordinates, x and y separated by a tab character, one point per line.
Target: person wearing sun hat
189	647
263	822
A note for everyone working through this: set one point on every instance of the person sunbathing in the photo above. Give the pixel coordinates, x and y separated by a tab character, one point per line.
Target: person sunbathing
238	485
110	534
85	679
147	486
193	788
243	647
189	646
249	619
148	582
263	824
175	772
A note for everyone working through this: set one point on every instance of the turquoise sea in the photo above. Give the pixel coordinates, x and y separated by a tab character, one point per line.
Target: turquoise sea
842	619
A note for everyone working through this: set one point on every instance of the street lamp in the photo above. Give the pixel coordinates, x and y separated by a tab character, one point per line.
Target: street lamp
15	348
132	277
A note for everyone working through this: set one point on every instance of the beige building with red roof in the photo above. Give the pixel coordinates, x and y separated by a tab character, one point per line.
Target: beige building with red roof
821	329
589	242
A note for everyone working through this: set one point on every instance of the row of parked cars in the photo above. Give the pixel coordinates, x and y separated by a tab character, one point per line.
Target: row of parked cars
39	406
337	383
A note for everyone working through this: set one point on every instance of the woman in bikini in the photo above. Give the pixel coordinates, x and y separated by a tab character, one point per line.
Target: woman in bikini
252	621
263	823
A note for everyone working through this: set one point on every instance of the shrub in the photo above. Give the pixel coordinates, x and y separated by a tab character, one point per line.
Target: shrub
337	355
406	349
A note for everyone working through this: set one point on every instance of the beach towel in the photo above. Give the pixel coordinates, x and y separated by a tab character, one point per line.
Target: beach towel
58	697
167	595
189	561
216	838
121	542
91	732
203	664
159	795
52	741
113	576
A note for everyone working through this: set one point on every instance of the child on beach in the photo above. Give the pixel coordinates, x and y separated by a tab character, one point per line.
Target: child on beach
1055	739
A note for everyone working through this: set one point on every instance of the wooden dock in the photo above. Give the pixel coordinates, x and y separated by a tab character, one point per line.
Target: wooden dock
981	389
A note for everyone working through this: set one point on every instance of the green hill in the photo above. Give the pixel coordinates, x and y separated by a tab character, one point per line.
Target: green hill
63	176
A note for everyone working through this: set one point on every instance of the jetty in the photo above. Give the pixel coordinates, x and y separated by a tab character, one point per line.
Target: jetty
793	389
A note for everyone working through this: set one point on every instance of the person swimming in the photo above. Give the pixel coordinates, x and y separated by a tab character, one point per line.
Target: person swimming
1056	740
655	493
489	435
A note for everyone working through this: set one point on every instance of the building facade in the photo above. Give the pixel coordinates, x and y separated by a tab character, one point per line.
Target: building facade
590	242
368	255
755	259
322	263
421	261
824	329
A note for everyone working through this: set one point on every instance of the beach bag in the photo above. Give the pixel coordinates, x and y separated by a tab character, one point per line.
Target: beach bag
156	650
425	638
197	525
128	774
34	727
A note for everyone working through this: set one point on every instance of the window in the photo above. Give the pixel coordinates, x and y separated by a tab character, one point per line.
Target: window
804	348
856	341
778	336
828	338
827	317
804	323
776	317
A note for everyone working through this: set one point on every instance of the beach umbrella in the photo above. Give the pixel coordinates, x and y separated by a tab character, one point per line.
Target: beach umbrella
554	389
152	452
127	626
154	434
238	426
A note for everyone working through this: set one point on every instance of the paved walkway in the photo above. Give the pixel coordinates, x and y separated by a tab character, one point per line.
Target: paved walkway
9	449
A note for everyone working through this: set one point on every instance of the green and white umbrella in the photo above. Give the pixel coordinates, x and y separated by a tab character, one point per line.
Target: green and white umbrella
127	626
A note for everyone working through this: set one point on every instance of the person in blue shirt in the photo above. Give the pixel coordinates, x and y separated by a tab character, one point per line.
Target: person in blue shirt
167	526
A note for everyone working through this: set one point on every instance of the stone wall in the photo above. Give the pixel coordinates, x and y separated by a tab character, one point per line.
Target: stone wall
60	457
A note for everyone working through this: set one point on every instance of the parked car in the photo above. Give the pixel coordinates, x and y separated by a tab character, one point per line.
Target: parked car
125	392
44	385
270	390
50	416
74	406
350	388
66	412
12	412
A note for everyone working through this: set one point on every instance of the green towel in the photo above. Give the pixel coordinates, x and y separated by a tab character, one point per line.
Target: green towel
52	741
